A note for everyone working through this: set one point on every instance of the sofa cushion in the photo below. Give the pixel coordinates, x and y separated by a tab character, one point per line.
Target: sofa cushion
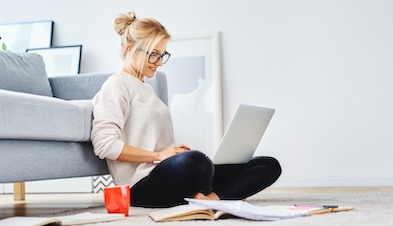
33	117
24	72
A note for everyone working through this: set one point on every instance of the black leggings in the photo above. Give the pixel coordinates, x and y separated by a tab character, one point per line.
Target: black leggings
185	175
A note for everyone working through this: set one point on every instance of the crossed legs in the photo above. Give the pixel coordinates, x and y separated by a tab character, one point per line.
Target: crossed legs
192	174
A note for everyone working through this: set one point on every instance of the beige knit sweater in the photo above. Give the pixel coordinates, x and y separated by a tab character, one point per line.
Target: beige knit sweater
127	110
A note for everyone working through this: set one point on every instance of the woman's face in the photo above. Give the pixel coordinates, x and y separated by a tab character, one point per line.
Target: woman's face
148	69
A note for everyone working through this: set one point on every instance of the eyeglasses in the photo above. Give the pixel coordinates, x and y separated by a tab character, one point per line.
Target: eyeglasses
154	57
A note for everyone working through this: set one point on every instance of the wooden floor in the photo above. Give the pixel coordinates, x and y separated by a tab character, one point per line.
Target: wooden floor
45	204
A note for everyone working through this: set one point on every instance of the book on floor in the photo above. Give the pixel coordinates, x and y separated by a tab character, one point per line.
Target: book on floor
198	209
81	218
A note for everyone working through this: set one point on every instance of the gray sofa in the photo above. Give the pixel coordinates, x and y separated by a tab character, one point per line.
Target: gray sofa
45	123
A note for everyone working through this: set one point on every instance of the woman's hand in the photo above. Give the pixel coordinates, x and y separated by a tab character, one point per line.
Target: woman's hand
180	148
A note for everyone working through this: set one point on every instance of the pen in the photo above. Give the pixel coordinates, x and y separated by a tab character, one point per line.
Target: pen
316	205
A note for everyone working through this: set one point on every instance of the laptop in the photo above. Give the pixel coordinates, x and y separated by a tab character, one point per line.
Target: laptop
243	135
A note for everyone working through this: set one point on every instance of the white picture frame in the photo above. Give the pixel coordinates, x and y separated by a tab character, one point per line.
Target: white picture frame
60	60
17	37
196	113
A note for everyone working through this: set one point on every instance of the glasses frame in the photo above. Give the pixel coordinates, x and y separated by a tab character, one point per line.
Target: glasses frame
159	58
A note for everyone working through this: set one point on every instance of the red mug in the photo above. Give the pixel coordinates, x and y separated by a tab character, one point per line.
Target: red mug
117	199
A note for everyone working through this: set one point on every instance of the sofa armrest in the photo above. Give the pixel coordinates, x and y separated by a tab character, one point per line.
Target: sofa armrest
35	117
77	87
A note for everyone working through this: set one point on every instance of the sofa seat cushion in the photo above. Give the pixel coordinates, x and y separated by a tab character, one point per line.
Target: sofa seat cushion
24	72
34	117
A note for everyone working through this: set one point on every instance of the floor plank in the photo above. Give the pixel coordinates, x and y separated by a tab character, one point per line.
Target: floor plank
44	204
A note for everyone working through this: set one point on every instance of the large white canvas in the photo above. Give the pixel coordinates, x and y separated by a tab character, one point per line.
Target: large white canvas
194	90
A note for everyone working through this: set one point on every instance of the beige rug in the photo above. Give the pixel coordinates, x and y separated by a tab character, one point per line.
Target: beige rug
371	208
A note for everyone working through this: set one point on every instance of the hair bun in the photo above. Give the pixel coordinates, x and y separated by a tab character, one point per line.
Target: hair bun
122	21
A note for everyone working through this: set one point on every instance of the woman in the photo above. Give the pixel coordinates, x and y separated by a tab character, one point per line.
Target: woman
132	129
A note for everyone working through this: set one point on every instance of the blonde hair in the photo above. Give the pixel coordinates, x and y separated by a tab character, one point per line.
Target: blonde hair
144	33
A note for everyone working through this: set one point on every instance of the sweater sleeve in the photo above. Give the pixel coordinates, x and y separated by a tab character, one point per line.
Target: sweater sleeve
111	108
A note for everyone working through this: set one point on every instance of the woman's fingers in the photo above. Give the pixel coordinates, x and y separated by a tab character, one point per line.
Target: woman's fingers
183	146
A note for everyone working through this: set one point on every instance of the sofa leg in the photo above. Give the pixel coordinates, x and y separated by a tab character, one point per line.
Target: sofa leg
19	191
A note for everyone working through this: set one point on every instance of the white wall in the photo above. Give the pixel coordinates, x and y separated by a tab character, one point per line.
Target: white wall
326	66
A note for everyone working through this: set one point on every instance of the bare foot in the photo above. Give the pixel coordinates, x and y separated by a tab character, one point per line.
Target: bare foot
200	196
211	196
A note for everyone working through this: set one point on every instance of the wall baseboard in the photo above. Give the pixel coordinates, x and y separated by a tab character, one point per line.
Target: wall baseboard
334	182
281	183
